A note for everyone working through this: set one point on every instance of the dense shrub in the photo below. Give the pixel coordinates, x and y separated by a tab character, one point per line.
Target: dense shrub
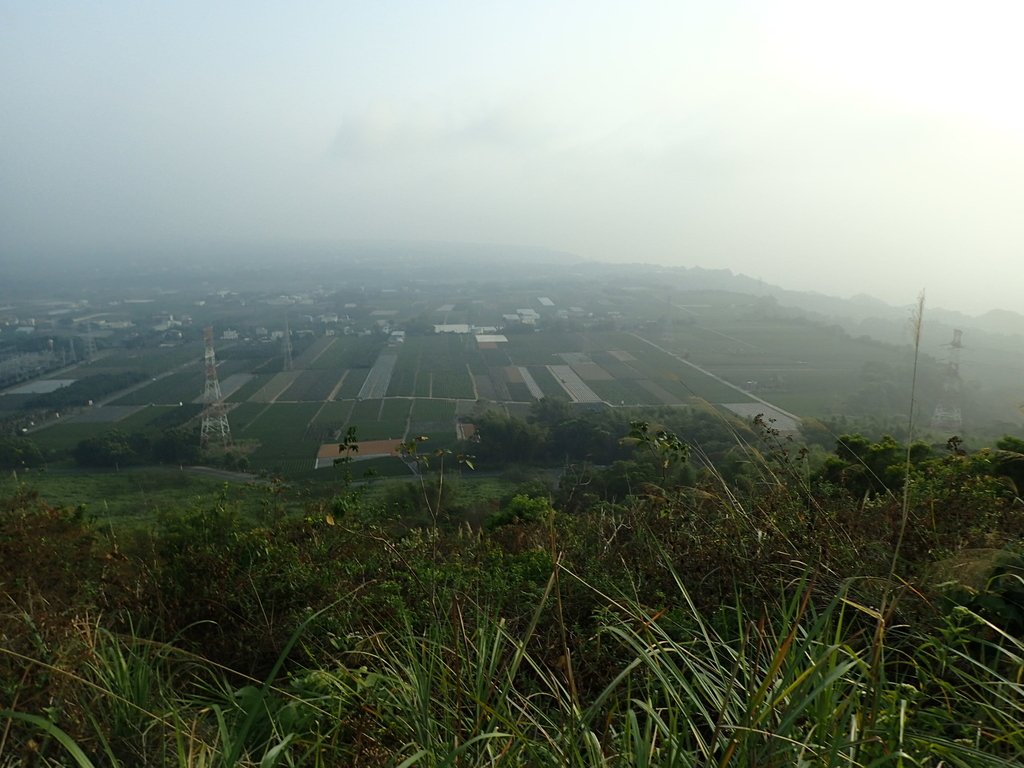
597	601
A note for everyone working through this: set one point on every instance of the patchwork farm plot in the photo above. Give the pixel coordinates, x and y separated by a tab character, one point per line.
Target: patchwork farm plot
613	367
396	390
432	366
796	364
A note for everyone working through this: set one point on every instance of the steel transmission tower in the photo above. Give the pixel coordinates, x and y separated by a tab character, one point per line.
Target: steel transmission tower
287	344
668	323
215	415
90	342
948	412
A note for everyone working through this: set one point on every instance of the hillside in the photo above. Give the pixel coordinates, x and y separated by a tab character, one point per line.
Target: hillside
653	611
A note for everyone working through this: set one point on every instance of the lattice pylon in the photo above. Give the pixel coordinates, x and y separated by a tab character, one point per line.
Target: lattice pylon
90	342
215	427
287	345
948	413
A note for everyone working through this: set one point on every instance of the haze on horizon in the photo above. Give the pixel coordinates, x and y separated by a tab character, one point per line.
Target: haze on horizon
870	147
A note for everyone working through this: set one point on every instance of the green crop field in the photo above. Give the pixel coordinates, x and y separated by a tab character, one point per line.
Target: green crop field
349	352
541	348
433	410
622	392
149	361
546	381
352	383
433	366
159	417
645	350
64	436
241	415
365	411
424	384
403	377
183	386
251	387
454	383
312	386
372	419
284	433
805	367
333	417
436	420
390	424
231	366
312	352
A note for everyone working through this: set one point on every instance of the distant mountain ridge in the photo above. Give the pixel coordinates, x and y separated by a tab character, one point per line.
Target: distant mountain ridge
844	311
183	262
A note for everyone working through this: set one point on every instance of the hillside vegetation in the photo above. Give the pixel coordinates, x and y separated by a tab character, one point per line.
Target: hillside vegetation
653	610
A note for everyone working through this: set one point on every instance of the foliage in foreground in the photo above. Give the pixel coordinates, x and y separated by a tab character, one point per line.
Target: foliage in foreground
704	624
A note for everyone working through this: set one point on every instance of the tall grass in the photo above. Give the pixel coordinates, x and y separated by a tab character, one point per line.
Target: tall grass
793	685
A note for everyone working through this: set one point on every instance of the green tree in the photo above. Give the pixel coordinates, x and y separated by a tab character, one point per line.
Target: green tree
18	451
864	467
112	449
522	509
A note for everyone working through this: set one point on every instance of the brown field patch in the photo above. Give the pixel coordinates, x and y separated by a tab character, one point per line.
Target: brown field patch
368	449
513	375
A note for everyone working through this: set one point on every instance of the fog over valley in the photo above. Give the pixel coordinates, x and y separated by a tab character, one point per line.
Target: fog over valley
844	149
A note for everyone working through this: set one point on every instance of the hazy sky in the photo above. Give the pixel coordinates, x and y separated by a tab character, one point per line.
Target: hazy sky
842	147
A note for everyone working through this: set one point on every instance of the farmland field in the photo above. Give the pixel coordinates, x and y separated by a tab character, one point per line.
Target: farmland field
312	386
389	423
63	436
331	420
275	387
623	345
349	352
175	388
312	352
428	379
284	434
232	384
546	382
376	384
241	415
432	366
352	383
151	362
434	419
250	388
109	414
